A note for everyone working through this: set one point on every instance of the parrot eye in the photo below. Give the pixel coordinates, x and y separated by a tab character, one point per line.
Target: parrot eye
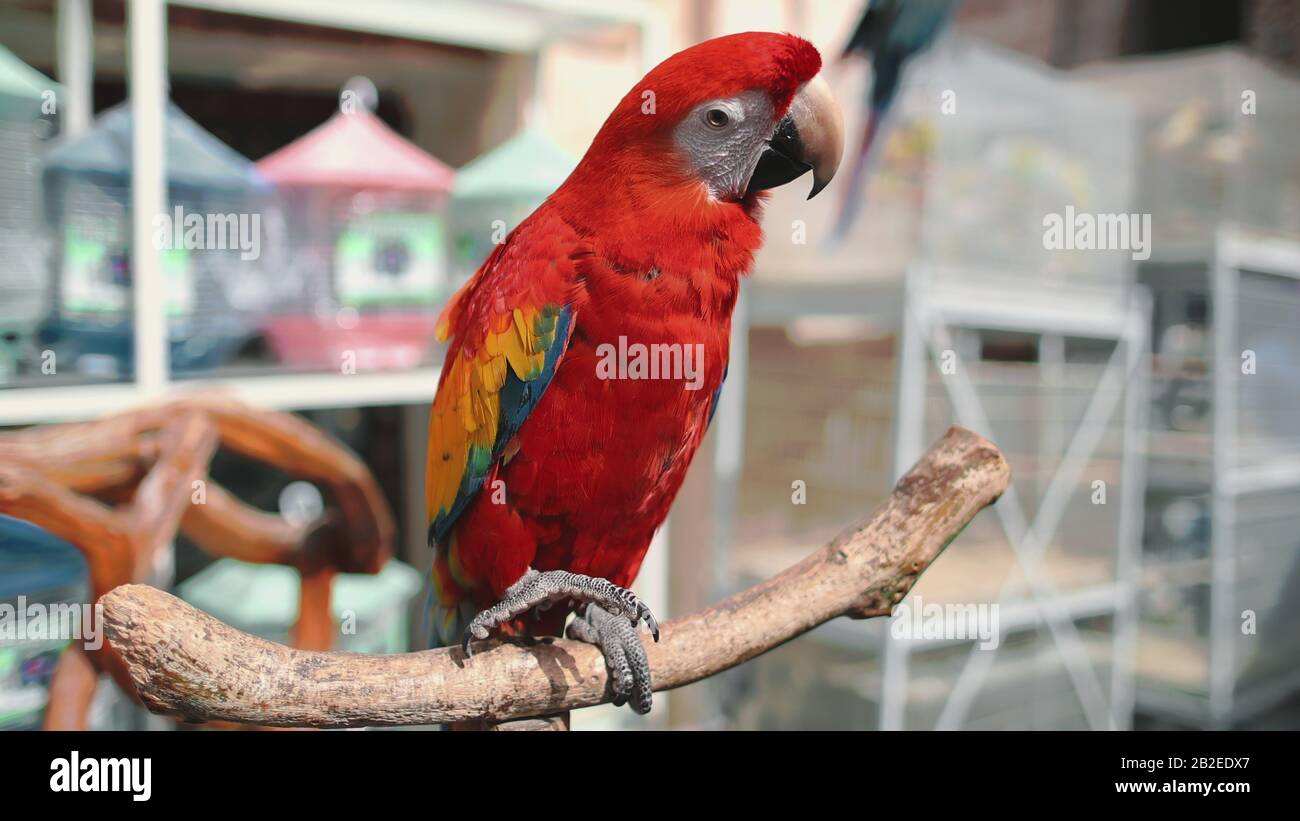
717	118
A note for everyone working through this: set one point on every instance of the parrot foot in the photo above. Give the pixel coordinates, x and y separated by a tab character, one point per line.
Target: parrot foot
625	656
540	590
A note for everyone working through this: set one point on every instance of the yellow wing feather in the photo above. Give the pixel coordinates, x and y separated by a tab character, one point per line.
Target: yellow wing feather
466	414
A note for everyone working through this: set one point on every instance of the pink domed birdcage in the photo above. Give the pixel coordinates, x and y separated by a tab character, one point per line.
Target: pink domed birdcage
366	263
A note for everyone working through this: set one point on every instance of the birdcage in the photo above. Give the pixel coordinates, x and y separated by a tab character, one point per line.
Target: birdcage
24	93
209	241
42	574
1221	179
965	291
1217	144
495	192
367	264
984	153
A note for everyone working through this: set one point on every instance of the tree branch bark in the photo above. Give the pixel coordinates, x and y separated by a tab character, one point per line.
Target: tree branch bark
188	664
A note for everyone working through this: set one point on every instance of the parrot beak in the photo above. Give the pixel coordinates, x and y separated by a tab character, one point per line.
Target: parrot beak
810	137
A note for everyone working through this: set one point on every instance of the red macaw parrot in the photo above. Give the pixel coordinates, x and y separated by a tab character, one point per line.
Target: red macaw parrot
555	447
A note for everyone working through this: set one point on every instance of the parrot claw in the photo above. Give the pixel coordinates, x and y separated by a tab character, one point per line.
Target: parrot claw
537	589
625	656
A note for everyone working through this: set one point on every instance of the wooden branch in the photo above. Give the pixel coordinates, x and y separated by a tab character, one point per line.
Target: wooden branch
72	690
101	534
225	526
141	466
116	453
861	574
188	664
365	529
160	501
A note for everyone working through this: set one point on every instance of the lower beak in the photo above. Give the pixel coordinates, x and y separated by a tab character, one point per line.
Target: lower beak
810	137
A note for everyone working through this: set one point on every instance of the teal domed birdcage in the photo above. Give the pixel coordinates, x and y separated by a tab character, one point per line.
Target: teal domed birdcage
496	191
25	95
211	273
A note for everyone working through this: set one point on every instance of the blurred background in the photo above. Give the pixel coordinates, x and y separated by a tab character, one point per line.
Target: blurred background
362	159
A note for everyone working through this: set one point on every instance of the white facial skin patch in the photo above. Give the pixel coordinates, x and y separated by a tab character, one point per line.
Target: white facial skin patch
724	138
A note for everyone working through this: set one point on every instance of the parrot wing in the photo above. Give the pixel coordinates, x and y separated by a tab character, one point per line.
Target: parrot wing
717	395
509	327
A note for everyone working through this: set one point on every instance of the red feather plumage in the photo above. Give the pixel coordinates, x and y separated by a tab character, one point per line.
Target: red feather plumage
635	248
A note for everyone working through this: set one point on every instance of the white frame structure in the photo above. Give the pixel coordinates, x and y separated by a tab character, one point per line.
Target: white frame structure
927	315
1224	705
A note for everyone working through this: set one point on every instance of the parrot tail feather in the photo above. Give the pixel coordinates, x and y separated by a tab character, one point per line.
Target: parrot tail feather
448	609
854	200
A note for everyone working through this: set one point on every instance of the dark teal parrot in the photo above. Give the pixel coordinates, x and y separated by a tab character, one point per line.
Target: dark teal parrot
890	33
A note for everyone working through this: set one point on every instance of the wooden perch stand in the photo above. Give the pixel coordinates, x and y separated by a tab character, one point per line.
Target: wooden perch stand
187	664
120	489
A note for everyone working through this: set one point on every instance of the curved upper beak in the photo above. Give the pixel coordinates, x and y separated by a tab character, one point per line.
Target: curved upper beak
810	137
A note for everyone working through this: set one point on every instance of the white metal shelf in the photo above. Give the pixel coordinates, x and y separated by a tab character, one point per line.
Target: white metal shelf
1120	316
1013	617
1212	467
514	26
278	391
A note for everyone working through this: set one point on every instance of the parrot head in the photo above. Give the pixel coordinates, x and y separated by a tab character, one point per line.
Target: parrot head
732	116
